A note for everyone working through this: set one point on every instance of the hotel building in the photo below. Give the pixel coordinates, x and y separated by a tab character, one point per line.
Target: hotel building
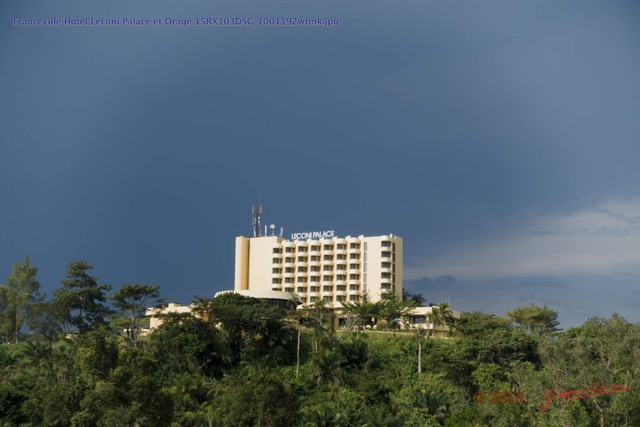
319	266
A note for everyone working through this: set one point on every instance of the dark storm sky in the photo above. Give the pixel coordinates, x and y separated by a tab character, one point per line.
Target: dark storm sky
500	139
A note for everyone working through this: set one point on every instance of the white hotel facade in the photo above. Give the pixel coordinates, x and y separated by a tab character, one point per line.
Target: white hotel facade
319	266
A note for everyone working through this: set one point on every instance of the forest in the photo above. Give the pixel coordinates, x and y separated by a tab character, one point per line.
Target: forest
80	358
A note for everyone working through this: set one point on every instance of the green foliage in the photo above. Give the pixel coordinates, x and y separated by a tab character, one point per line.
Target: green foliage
541	320
392	309
82	299
16	298
233	362
132	302
361	314
263	400
185	343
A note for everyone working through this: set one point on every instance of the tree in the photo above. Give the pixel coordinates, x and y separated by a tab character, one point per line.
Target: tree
476	324
19	294
132	301
362	313
441	315
418	299
541	320
83	299
392	308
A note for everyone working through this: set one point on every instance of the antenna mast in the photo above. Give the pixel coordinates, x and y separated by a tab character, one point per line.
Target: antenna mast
256	211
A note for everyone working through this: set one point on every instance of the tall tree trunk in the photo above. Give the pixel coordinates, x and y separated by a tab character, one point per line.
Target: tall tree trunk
298	353
17	336
419	351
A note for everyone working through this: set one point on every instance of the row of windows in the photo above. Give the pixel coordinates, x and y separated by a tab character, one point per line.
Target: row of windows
339	298
387	257
326	288
316	248
329	247
314	279
339	267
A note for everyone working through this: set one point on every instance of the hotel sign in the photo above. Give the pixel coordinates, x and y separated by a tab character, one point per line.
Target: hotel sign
313	235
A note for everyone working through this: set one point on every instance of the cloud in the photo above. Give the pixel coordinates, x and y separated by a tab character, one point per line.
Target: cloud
602	240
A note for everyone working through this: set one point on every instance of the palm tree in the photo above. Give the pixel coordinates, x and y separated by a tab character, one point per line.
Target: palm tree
441	315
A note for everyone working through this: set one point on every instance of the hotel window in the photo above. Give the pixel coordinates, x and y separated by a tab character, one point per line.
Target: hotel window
301	290
288	269
341	277
394	257
327	289
353	298
313	299
354	287
341	256
315	248
288	280
354	266
289	259
386	254
386	265
327	258
277	250
386	244
341	267
354	277
419	320
277	271
385	286
394	247
302	259
364	278
341	288
315	279
365	257
365	246
339	298
354	246
315	268
302	249
326	278
277	261
289	250
354	256
364	267
314	289
386	275
326	299
341	246
276	281
328	247
302	280
288	289
302	269
315	258
327	268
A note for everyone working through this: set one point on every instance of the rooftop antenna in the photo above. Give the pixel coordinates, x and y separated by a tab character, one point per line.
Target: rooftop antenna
256	211
281	231
272	226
